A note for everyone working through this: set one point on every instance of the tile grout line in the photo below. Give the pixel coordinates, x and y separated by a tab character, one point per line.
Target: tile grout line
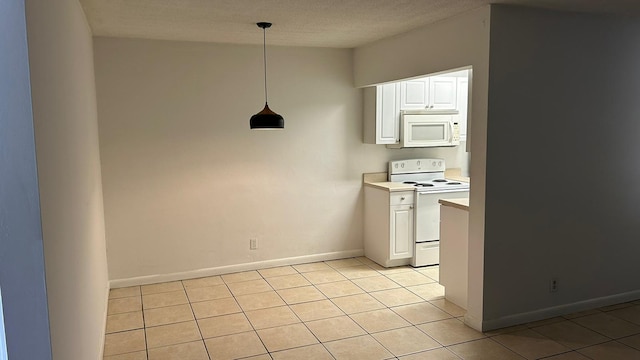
387	307
178	322
303	322
580	325
423	300
252	326
206	349
345	314
144	326
314	286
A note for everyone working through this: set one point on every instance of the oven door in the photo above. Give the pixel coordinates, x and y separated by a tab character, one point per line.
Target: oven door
427	212
427	225
427	131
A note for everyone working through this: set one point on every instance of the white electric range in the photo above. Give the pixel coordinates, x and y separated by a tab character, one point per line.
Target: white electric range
427	177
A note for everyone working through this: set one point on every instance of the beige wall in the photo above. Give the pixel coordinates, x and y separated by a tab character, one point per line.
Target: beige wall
459	41
65	120
187	184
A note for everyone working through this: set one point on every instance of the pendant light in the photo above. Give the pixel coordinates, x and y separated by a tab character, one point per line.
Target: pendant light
266	119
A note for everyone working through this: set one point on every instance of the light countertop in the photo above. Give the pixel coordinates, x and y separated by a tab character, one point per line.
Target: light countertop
379	180
391	186
454	174
462	204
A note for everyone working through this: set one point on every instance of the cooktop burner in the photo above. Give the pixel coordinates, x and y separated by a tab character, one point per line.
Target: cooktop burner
439	180
423	185
453	183
409	182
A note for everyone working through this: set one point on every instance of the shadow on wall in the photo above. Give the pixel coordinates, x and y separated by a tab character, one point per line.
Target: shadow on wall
3	341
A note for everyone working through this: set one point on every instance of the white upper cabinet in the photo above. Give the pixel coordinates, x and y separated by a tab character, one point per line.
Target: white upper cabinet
382	114
442	93
463	106
383	104
430	93
414	94
389	114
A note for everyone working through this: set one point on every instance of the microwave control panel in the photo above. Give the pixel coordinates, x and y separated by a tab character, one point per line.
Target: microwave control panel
456	132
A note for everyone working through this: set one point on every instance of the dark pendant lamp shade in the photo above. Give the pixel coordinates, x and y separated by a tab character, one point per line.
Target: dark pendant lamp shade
266	119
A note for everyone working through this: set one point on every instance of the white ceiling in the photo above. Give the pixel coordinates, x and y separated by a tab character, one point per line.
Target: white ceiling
323	23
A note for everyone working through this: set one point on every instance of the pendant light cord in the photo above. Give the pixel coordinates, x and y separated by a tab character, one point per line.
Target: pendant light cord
264	57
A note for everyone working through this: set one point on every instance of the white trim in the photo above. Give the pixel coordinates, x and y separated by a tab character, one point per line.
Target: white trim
472	322
550	312
102	339
151	279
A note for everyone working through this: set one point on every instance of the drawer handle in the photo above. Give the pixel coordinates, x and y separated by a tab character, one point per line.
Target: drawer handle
402	198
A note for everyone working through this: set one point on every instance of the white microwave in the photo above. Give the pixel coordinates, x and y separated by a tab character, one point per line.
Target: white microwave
419	128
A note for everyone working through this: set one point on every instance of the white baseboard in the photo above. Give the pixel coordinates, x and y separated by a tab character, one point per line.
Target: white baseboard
472	322
565	309
192	274
104	324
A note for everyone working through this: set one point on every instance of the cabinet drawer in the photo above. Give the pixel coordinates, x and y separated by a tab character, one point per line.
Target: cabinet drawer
401	198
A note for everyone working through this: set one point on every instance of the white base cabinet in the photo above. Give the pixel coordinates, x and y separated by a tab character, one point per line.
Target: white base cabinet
388	226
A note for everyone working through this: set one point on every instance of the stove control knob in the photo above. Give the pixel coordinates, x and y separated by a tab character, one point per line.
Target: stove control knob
402	165
433	163
439	163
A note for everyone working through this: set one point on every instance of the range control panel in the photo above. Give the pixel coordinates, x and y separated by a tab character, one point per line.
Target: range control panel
416	166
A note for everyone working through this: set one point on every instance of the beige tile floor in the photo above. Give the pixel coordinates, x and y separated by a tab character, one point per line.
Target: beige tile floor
341	309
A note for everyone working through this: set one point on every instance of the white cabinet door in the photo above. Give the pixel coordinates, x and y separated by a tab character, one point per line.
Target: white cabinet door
388	114
414	94
381	114
442	92
463	103
401	232
430	93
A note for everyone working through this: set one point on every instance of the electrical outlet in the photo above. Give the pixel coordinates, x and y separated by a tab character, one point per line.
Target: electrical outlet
553	285
253	244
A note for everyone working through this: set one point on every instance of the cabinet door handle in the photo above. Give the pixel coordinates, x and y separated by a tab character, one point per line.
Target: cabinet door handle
402	198
410	206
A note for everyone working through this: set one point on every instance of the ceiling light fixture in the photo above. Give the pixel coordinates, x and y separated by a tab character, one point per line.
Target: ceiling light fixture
266	119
